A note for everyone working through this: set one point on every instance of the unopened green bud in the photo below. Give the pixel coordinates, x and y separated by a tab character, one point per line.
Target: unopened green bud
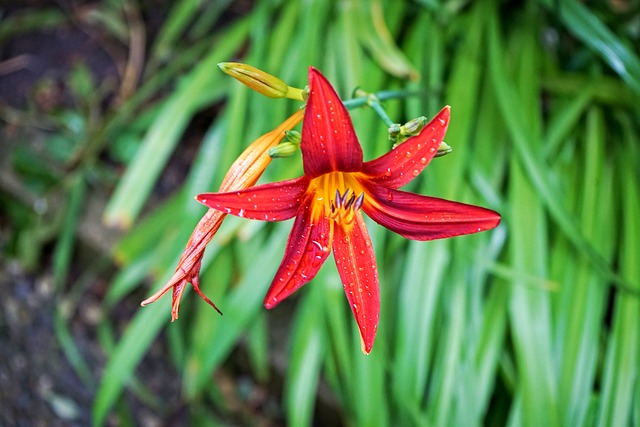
292	136
443	149
394	130
413	127
284	149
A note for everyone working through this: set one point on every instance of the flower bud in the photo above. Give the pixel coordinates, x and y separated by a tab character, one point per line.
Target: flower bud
443	149
284	149
394	130
293	136
413	127
260	81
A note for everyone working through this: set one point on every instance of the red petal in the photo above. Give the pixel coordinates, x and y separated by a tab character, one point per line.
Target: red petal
329	142
425	218
269	202
308	247
356	264
402	164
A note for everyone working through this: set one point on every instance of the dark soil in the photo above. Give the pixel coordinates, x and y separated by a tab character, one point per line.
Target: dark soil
38	387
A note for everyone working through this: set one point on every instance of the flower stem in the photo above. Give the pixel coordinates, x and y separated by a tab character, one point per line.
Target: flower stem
381	96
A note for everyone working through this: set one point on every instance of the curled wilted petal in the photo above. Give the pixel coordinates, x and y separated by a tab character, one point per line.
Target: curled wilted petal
243	173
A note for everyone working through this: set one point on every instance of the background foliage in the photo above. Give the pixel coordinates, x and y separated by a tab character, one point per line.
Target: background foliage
534	323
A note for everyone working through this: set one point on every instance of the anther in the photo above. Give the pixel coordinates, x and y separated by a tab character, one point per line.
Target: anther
339	199
351	200
359	201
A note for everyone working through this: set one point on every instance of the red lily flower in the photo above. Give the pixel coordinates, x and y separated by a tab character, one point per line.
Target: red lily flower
327	203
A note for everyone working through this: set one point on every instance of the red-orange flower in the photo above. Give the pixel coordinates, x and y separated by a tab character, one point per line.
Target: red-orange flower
327	203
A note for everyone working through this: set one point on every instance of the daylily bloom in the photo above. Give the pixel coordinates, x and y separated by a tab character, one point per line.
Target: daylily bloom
328	200
244	172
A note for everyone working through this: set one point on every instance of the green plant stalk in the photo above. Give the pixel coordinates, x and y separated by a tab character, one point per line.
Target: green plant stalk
160	141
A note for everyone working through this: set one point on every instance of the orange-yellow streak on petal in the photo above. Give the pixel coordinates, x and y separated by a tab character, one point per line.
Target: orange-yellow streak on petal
356	264
324	187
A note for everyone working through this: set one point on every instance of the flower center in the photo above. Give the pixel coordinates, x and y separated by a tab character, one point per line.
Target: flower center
337	196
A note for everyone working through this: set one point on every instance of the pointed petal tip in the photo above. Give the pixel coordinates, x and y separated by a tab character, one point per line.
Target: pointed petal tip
365	347
271	302
493	218
445	113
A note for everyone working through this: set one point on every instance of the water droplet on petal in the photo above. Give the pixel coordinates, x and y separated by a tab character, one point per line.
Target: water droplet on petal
432	150
387	172
423	160
408	154
415	172
389	196
442	122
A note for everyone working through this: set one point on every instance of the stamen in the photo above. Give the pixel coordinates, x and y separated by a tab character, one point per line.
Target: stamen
339	200
359	201
351	200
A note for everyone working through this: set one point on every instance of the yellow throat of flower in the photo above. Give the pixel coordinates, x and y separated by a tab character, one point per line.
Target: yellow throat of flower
337	196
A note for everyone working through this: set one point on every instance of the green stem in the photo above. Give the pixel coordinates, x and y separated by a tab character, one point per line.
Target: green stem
381	96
